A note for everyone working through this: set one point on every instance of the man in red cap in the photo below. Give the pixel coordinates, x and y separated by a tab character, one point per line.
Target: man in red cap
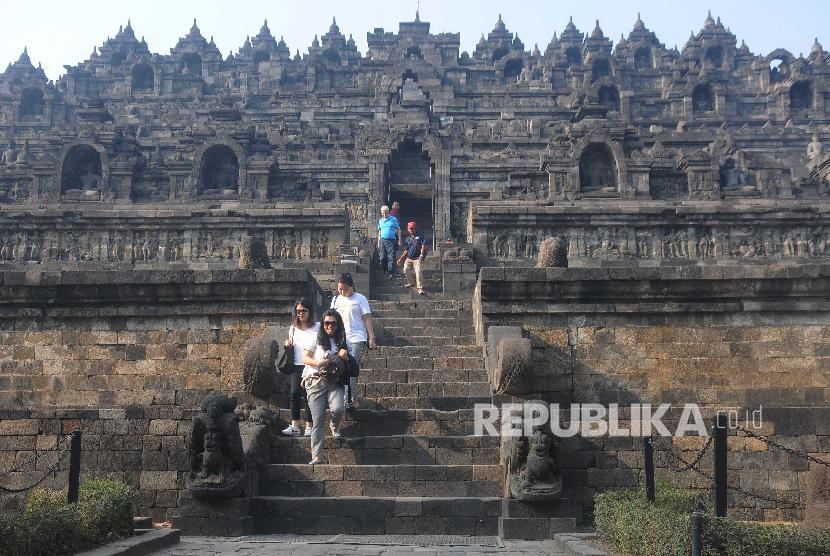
414	251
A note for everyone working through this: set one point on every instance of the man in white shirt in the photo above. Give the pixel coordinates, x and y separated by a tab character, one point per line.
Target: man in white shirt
357	320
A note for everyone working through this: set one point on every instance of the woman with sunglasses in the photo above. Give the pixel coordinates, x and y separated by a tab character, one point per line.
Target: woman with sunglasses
301	335
331	338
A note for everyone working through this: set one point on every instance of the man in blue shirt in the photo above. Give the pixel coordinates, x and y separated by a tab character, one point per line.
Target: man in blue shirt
414	251
389	237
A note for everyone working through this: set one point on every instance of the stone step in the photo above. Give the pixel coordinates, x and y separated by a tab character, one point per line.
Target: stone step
391	450
409	362
447	376
402	330
380	480
404	320
427	338
405	296
433	350
384	422
376	515
426	389
441	403
445	307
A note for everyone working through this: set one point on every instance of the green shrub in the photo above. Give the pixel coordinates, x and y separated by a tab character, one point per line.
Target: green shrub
749	538
49	525
105	510
628	522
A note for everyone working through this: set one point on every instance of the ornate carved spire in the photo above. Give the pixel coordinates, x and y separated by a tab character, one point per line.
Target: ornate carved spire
709	23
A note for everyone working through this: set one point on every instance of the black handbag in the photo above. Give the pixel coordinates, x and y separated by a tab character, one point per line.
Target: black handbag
285	359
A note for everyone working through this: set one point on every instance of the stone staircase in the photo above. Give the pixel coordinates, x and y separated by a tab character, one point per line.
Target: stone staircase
408	462
386	289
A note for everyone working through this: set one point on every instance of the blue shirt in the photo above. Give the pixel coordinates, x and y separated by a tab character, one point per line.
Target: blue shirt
388	226
412	245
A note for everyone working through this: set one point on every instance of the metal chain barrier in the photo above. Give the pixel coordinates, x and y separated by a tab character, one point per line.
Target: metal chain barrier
52	469
762	438
692	466
686	465
34	458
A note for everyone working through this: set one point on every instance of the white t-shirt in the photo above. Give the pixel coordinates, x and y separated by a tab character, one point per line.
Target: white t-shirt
303	340
318	354
352	310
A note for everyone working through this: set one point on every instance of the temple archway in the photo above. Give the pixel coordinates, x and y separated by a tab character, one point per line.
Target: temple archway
117	59
413	53
597	169
573	56
261	56
143	78
801	96
702	99
411	184
609	96
31	103
191	64
499	53
600	69
642	58
219	171
513	68
81	172
332	56
714	55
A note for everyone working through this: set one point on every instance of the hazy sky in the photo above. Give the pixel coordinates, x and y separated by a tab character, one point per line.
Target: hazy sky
59	32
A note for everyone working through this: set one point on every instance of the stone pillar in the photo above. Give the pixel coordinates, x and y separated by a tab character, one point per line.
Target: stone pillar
121	182
638	171
258	182
377	167
442	198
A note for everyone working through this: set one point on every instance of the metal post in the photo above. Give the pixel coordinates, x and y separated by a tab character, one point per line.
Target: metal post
74	467
648	456
720	464
697	533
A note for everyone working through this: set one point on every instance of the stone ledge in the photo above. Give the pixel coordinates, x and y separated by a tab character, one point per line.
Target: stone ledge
765	288
574	544
147	541
94	294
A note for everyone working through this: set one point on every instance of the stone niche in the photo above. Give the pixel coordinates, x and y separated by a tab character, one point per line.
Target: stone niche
219	173
598	172
82	174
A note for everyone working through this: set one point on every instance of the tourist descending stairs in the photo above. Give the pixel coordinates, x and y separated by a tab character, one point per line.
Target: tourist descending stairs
408	462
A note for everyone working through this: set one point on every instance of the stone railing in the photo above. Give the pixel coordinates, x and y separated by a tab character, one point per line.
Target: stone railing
167	238
627	231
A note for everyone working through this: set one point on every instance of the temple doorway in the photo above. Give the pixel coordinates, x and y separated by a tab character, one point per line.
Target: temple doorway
411	177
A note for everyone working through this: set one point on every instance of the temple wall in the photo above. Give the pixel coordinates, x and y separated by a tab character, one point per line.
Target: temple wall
86	239
649	233
724	338
127	357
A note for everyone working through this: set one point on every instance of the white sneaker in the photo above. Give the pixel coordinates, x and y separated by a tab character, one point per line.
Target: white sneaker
291	430
314	462
334	432
307	431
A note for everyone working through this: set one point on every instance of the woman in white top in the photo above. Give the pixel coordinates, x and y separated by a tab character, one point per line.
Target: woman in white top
330	339
303	333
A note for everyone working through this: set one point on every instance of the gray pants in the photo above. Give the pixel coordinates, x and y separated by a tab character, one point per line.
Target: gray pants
333	395
356	349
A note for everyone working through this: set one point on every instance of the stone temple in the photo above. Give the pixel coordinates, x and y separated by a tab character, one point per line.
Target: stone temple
689	189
